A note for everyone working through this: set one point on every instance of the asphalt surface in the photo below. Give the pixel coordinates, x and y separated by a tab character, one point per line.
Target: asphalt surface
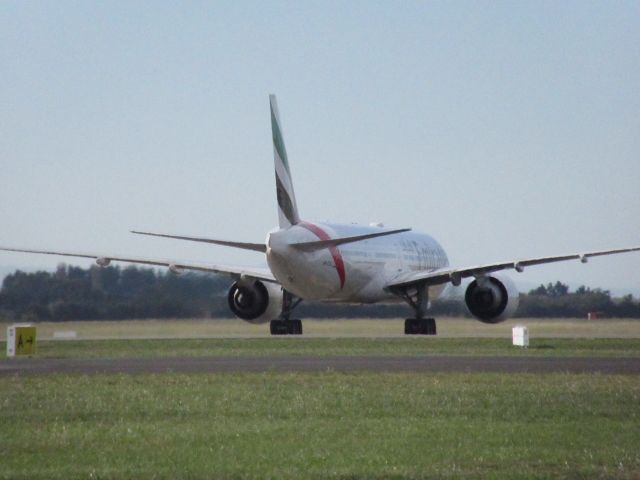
424	364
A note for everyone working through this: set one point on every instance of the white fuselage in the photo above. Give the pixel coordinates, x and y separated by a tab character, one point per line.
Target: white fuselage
355	272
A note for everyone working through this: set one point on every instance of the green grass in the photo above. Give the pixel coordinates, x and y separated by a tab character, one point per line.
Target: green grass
224	328
334	346
327	425
322	425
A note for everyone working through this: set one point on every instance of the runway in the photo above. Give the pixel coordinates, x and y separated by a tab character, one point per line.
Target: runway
421	364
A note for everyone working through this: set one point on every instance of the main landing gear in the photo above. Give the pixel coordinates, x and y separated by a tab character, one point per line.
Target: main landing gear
420	326
283	325
418	298
286	327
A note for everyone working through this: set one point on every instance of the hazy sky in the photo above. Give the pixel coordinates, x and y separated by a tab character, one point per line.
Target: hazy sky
504	129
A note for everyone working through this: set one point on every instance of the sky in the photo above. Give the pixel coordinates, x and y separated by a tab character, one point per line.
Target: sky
506	130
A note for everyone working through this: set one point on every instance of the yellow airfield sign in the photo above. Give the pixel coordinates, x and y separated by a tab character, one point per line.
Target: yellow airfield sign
21	340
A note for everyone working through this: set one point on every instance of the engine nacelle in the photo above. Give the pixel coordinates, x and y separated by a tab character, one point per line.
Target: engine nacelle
492	299
255	301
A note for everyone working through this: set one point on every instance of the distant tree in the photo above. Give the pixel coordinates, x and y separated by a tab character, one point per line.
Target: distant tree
558	289
555	300
72	293
626	307
582	290
541	291
551	290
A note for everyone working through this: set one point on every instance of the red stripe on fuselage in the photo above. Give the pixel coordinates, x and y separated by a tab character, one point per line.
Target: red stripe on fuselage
335	253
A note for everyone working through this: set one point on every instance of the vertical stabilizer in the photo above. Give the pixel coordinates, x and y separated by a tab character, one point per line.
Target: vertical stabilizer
287	207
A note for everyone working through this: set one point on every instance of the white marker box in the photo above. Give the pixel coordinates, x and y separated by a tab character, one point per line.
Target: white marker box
520	336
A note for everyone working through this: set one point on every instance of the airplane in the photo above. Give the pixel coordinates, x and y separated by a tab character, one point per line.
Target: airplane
312	261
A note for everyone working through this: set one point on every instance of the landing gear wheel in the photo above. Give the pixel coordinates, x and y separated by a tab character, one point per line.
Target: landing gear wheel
430	326
420	326
286	327
278	327
296	327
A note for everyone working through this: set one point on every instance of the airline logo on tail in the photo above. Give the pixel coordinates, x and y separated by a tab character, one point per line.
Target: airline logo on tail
287	207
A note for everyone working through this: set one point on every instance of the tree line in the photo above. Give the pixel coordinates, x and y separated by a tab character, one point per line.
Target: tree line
110	293
116	293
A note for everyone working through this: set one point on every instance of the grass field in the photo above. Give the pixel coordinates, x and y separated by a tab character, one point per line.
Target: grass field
419	346
320	426
447	327
334	337
323	425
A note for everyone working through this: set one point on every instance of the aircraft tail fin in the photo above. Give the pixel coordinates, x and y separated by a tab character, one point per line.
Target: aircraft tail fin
287	207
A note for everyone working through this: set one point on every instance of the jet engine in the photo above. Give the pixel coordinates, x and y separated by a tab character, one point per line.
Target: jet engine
492	299
255	301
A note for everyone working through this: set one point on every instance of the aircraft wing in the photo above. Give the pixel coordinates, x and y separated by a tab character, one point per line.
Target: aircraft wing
173	265
455	275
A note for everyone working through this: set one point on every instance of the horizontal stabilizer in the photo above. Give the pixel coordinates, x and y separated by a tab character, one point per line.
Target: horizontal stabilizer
334	242
258	247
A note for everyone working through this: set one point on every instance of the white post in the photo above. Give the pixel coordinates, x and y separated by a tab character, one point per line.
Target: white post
520	336
11	341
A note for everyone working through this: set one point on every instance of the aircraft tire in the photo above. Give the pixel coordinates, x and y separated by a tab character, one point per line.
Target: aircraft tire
286	327
420	326
278	327
295	327
411	326
430	326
